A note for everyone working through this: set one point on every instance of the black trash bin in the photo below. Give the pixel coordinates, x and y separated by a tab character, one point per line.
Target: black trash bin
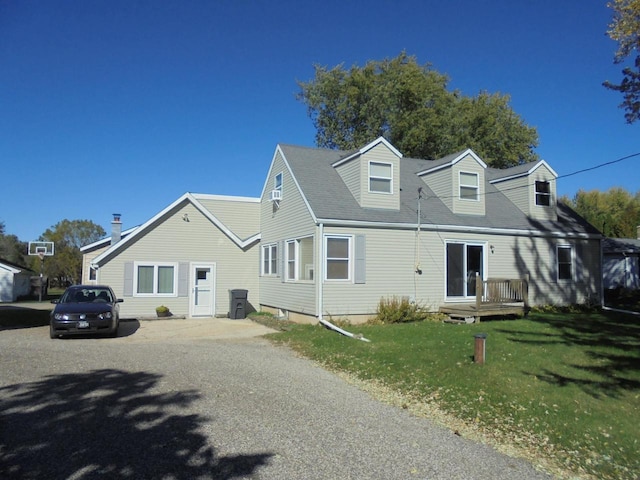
238	304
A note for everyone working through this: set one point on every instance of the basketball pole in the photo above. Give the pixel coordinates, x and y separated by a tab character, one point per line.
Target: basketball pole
41	255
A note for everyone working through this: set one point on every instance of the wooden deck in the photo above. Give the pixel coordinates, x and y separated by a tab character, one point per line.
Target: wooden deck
494	297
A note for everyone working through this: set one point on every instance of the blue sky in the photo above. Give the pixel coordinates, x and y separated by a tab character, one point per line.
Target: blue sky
124	105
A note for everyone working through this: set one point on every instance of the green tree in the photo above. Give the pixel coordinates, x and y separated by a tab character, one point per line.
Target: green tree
616	212
625	29
68	235
11	248
409	105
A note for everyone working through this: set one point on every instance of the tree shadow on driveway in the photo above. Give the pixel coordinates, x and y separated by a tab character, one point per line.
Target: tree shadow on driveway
108	424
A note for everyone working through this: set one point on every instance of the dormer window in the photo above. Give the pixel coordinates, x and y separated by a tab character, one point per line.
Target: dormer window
380	177
469	189
543	194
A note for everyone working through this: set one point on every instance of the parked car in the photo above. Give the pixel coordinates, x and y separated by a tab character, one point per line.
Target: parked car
85	309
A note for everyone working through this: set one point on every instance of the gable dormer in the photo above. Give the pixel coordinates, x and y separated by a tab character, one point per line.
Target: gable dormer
531	187
372	175
458	180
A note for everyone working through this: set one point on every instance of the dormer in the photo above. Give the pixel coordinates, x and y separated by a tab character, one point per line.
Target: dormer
458	180
372	175
531	187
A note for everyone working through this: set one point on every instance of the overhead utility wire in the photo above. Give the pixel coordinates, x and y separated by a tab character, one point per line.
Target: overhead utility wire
559	176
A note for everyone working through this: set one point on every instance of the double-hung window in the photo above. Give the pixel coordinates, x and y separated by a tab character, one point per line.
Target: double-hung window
380	177
270	259
565	262
155	279
299	259
543	194
469	186
277	182
338	257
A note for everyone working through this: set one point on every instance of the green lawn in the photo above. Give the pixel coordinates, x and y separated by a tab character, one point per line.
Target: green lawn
562	388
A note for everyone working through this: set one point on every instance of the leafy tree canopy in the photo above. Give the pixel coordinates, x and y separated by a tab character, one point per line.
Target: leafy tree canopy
410	106
11	248
625	29
616	212
68	235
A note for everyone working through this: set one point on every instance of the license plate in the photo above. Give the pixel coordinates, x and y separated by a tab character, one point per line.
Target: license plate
83	324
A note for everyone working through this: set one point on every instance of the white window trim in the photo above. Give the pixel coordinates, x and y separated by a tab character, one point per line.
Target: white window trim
277	186
267	251
573	262
376	177
296	260
155	266
476	186
536	193
350	259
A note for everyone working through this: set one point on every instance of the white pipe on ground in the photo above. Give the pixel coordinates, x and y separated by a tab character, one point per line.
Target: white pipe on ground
343	332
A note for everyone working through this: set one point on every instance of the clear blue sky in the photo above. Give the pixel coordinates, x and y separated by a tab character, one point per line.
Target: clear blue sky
124	105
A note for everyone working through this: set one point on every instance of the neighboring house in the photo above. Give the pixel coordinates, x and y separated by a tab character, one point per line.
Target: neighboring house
15	281
334	232
621	262
187	257
341	230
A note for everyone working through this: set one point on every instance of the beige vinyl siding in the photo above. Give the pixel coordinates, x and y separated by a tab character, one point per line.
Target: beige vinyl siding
441	182
174	240
518	191
381	154
350	174
290	220
240	216
468	207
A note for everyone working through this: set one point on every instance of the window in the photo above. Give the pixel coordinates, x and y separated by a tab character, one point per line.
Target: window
565	262
380	175
543	194
93	273
464	261
270	259
155	279
338	257
277	182
299	259
469	186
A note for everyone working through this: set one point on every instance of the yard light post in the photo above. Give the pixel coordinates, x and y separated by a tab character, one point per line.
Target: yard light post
480	348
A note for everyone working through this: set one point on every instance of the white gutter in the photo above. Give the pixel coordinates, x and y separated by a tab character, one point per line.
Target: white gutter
343	332
320	271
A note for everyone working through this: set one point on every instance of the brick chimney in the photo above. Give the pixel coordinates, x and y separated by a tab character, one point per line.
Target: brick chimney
116	229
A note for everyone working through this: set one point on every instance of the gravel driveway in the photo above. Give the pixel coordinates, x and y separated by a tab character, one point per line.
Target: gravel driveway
190	407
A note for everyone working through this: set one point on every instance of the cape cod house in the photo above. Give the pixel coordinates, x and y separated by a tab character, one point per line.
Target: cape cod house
333	232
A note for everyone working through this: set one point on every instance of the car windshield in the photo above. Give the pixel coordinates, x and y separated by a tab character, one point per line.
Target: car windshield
82	295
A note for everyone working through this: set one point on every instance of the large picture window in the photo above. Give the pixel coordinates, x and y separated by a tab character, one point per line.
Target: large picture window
565	262
543	194
338	257
270	259
469	186
299	259
155	279
380	177
464	261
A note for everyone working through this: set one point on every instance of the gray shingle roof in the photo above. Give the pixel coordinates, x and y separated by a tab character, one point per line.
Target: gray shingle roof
330	198
619	245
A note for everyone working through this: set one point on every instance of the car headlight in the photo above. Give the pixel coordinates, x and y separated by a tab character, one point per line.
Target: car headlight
61	316
105	315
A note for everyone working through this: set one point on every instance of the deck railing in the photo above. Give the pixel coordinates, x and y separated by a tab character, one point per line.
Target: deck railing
502	290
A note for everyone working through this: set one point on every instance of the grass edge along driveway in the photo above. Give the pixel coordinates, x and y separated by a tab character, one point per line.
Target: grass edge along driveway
562	390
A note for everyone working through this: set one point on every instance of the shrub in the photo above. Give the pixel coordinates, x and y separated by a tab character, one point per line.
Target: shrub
399	310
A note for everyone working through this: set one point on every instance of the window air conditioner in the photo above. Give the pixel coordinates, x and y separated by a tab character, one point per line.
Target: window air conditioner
275	195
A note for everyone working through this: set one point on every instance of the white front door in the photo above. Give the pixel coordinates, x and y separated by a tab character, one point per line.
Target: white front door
203	290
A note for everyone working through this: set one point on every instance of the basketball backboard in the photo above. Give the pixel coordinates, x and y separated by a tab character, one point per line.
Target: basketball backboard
42	249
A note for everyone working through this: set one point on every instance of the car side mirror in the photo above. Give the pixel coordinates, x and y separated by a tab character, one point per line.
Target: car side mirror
55	300
119	300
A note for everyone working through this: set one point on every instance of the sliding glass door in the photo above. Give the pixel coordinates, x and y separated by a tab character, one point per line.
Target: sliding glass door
464	260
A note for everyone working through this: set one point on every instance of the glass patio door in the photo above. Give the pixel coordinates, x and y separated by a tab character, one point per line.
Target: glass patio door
464	260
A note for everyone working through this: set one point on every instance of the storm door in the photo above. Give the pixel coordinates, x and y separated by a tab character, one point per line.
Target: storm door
203	290
464	260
